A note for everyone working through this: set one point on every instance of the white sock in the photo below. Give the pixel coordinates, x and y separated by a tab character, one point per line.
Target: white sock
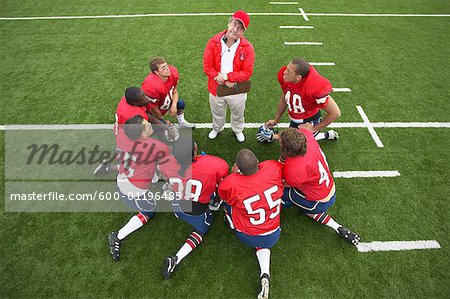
264	260
133	224
180	118
333	224
183	252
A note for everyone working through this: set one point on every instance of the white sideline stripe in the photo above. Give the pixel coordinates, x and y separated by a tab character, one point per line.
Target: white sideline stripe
320	14
365	174
215	14
296	27
303	14
281	3
397	245
303	43
370	127
322	63
345	89
227	125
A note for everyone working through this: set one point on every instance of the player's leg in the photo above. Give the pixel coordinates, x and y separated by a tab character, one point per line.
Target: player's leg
218	111
183	123
201	224
237	107
115	238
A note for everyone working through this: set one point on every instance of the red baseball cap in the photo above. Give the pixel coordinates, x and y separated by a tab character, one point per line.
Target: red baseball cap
243	17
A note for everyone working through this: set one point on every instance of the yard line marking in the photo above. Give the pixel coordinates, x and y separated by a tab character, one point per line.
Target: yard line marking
398	245
215	14
281	3
319	14
370	127
227	125
296	27
322	63
365	174
342	89
303	14
303	43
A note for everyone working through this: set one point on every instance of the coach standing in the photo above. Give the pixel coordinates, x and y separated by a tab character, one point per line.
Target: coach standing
228	61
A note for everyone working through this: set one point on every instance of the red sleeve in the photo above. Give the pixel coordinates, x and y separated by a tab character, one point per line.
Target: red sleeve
322	89
208	60
280	76
151	90
226	191
247	67
222	170
170	168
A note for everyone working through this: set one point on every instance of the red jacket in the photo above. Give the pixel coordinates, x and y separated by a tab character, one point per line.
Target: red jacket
243	62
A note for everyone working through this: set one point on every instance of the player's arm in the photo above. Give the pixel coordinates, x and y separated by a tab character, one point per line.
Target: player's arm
333	112
173	107
281	108
208	60
156	113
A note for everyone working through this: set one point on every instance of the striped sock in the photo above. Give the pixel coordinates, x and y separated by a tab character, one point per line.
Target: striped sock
136	222
325	219
192	241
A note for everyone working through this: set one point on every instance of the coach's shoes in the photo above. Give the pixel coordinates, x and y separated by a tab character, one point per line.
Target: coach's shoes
332	135
240	137
114	246
265	282
186	125
170	263
102	168
350	236
213	134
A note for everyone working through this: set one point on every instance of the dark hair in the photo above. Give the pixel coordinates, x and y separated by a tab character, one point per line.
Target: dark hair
133	95
301	65
154	62
247	162
183	151
133	127
293	143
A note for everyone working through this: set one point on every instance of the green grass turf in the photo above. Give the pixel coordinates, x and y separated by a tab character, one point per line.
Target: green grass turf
75	71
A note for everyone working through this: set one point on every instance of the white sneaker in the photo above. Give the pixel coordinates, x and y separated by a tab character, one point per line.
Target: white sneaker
186	125
213	134
240	137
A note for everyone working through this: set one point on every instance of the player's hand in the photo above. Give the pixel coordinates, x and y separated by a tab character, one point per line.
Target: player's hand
307	126
173	110
235	168
271	123
220	79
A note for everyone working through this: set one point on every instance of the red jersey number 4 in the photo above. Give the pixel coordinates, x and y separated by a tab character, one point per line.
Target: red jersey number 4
260	211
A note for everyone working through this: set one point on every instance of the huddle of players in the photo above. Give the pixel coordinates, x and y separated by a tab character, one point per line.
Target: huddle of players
253	193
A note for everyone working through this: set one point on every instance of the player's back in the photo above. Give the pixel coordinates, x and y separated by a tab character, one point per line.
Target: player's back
126	111
309	173
255	199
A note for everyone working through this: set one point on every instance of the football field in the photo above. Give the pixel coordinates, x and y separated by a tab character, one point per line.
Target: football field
69	62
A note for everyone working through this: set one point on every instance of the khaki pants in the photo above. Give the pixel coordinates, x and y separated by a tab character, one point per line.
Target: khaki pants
219	111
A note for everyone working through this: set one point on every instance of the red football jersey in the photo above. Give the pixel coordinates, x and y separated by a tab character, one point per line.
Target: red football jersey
137	158
160	92
125	111
305	98
255	199
200	179
309	173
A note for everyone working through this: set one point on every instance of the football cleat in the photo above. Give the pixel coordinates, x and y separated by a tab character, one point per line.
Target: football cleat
170	263
186	125
350	236
265	134
265	282
114	246
333	135
102	168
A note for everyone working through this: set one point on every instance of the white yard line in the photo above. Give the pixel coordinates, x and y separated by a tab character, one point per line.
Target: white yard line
305	17
283	3
398	245
214	14
370	127
227	125
345	89
303	44
365	174
322	63
296	27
